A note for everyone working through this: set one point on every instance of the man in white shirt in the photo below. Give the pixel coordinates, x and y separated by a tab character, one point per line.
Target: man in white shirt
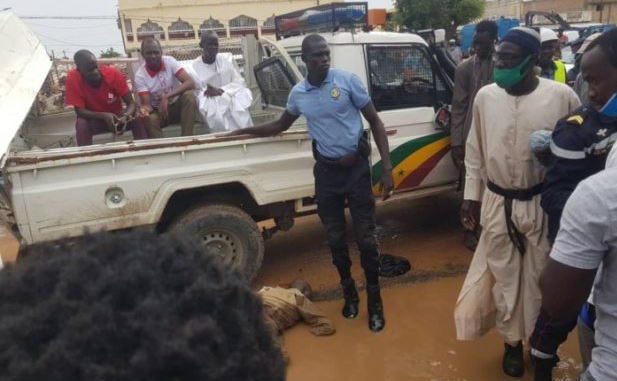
222	95
587	240
165	91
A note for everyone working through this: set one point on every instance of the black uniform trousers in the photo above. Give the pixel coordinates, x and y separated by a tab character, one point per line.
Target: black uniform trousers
335	185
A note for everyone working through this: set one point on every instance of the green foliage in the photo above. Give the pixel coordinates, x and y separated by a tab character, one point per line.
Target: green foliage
448	14
110	53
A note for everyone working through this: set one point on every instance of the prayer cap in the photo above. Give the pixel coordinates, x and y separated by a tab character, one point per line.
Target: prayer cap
527	38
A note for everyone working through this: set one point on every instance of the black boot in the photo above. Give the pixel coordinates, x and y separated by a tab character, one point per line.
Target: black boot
543	370
376	320
513	364
350	308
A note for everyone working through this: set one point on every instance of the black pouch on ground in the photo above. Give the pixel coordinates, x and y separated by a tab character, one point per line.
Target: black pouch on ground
391	265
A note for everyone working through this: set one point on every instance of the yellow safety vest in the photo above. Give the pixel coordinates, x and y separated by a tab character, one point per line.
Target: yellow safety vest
560	72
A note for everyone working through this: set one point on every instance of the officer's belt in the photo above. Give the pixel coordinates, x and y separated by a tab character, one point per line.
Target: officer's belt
345	161
349	160
517	238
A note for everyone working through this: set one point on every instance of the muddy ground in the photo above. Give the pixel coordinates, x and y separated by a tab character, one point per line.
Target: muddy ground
418	342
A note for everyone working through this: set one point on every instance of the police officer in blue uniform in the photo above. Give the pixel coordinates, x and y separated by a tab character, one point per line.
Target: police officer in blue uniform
333	102
580	146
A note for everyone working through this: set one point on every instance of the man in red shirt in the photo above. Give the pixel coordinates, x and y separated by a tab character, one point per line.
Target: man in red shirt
95	93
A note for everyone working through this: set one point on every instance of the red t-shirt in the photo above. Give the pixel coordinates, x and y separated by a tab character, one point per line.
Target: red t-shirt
105	98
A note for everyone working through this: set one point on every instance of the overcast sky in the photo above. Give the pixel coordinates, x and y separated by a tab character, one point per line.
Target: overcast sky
93	34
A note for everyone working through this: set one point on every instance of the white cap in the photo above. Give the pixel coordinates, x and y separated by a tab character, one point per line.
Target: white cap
452	41
547	35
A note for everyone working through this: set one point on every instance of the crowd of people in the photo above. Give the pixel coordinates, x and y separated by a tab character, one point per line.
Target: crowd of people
209	90
539	208
536	186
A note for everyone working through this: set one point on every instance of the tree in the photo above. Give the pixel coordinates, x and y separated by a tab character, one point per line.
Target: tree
110	53
447	14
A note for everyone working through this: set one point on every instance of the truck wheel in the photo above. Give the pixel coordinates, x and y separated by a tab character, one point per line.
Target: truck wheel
228	232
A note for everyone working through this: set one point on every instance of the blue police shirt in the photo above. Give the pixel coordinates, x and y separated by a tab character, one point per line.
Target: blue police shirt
580	145
332	111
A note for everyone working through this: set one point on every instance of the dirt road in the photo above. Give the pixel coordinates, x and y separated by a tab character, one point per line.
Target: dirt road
419	341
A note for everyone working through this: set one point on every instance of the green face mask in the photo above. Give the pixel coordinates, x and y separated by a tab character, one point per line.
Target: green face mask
508	78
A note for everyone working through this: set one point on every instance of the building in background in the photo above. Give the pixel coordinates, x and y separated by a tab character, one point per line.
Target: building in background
179	23
573	11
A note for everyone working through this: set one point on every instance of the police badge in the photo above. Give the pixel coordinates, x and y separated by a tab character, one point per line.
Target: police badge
335	93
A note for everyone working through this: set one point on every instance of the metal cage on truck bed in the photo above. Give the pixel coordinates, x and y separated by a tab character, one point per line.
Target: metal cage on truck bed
323	18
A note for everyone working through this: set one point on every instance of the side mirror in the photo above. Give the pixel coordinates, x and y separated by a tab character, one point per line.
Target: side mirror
442	118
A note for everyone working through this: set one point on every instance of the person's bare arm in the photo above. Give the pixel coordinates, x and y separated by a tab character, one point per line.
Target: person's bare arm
130	104
146	107
564	289
268	129
186	83
579	250
381	140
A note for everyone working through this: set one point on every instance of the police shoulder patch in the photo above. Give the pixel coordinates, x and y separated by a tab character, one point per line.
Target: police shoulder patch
576	119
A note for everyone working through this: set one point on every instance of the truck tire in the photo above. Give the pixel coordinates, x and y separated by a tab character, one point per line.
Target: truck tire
228	232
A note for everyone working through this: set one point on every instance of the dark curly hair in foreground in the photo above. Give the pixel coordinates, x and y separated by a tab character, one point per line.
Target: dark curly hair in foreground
130	307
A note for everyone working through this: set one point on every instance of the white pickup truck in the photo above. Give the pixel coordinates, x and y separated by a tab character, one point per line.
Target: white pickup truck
217	188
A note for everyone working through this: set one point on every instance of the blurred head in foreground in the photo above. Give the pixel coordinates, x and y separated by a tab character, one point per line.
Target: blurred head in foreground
130	307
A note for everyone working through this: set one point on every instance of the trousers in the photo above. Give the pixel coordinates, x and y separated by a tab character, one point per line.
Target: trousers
183	111
85	129
335	185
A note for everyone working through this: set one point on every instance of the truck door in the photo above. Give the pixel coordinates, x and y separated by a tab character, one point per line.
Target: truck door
276	75
408	89
275	82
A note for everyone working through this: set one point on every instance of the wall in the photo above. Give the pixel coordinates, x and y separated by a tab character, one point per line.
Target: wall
571	10
134	13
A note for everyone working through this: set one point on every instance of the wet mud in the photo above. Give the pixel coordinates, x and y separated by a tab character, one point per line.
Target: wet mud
426	232
419	341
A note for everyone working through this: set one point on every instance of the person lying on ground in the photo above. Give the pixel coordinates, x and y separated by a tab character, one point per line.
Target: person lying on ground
285	307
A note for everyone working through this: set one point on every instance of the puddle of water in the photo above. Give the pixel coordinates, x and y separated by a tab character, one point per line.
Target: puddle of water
418	343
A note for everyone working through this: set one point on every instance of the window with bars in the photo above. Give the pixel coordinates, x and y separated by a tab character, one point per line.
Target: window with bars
150	29
180	29
403	76
274	81
242	25
213	25
268	25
